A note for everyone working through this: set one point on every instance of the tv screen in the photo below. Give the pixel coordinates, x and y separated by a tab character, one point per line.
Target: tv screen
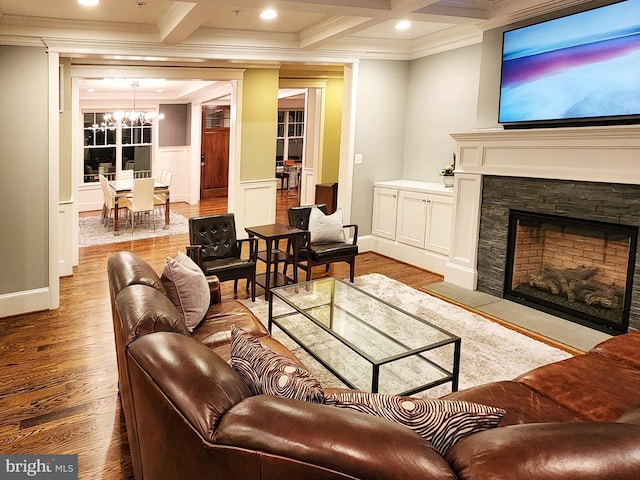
578	69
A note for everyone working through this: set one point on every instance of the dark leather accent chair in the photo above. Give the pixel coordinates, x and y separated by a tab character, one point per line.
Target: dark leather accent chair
216	249
312	254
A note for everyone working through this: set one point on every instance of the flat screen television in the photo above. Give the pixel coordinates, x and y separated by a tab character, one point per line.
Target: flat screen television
580	69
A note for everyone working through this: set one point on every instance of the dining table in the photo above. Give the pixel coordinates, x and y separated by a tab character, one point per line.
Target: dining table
123	188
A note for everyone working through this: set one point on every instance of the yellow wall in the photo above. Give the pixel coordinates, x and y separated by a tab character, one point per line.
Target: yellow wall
259	124
330	162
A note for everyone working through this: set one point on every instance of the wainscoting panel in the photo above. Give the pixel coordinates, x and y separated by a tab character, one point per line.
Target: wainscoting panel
259	204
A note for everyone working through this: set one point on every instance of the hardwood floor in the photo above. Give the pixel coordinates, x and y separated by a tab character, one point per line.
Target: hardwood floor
58	375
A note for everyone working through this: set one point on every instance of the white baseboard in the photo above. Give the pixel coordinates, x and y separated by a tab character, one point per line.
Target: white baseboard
432	261
24	302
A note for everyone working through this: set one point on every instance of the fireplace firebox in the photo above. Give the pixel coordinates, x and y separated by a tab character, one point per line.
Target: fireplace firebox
581	270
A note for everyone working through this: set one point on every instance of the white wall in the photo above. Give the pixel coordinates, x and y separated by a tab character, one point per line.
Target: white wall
379	132
442	95
406	112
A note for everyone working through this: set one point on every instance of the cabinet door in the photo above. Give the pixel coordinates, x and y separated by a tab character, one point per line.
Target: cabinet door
385	203
412	218
439	223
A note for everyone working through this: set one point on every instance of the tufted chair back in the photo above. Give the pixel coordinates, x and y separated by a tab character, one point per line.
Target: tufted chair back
215	247
299	216
216	236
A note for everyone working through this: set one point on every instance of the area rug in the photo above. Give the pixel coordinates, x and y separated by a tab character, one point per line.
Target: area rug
91	231
490	351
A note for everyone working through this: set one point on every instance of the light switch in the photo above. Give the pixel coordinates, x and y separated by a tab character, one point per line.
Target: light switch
358	159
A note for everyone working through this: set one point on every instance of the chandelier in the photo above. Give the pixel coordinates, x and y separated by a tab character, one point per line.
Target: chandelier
132	118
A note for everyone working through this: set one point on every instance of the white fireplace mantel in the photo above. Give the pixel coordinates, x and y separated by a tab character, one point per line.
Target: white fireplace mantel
592	154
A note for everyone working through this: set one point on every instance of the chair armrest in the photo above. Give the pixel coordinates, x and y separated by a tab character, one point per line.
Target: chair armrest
253	246
194	252
354	229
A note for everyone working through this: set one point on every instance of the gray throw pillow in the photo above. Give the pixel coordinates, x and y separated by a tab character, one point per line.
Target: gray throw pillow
187	288
326	228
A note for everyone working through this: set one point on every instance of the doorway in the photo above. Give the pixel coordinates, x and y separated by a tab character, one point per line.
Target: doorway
214	151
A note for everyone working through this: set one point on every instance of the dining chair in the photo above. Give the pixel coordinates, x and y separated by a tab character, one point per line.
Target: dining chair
109	205
160	199
141	201
217	251
124	175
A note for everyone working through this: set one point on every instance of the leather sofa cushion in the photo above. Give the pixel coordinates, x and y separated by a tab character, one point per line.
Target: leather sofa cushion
215	330
623	347
585	383
523	405
549	451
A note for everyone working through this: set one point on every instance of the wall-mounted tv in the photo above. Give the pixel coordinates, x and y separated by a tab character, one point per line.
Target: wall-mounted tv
581	69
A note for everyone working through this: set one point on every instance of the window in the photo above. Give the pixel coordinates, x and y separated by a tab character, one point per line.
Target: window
290	139
110	149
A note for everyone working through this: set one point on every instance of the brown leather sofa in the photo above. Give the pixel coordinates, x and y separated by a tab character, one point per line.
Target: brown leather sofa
189	416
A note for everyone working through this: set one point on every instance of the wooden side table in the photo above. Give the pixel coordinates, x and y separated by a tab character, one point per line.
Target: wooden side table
272	255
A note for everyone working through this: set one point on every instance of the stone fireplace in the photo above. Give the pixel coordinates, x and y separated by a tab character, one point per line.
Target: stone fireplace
587	174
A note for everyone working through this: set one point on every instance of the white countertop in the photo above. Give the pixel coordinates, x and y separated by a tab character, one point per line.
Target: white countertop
416	186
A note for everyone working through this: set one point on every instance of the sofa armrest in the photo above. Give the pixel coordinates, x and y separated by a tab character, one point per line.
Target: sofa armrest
355	444
545	451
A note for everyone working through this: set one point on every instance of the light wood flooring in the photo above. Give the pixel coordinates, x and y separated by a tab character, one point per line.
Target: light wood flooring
58	379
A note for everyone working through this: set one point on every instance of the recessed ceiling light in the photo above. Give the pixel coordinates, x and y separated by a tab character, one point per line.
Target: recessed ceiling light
269	14
159	90
88	3
91	90
403	25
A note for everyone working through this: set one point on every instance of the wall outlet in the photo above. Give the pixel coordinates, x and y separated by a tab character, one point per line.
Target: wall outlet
358	159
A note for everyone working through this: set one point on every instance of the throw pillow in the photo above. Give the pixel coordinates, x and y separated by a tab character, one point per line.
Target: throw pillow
326	228
187	288
269	373
441	422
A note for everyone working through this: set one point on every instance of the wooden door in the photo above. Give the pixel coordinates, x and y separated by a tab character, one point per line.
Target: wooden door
214	164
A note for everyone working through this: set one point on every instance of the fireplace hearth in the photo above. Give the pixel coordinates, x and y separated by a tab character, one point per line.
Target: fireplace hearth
578	269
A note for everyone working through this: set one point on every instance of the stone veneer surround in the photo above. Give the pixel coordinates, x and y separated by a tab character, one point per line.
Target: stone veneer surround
604	156
604	202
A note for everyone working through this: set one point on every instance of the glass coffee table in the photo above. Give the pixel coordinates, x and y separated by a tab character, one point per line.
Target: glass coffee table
363	340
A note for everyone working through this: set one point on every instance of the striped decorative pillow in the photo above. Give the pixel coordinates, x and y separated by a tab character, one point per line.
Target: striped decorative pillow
269	373
441	422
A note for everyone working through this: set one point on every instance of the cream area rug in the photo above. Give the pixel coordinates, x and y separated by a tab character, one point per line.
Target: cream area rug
490	351
92	232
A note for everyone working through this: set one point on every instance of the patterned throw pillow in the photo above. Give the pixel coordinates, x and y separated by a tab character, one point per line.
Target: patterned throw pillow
269	373
441	422
187	288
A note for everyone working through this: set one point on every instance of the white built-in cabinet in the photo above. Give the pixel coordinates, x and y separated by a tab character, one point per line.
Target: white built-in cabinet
412	222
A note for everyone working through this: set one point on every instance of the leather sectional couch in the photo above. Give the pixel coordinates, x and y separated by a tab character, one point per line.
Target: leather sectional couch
189	416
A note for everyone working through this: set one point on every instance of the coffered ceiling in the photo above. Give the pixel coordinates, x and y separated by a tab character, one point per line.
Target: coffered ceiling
232	30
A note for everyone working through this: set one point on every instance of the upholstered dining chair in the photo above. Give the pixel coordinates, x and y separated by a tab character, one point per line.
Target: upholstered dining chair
319	248
141	201
160	199
124	175
109	201
217	250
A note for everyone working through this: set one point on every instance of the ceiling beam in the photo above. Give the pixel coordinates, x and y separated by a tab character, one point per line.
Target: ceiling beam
332	29
182	19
